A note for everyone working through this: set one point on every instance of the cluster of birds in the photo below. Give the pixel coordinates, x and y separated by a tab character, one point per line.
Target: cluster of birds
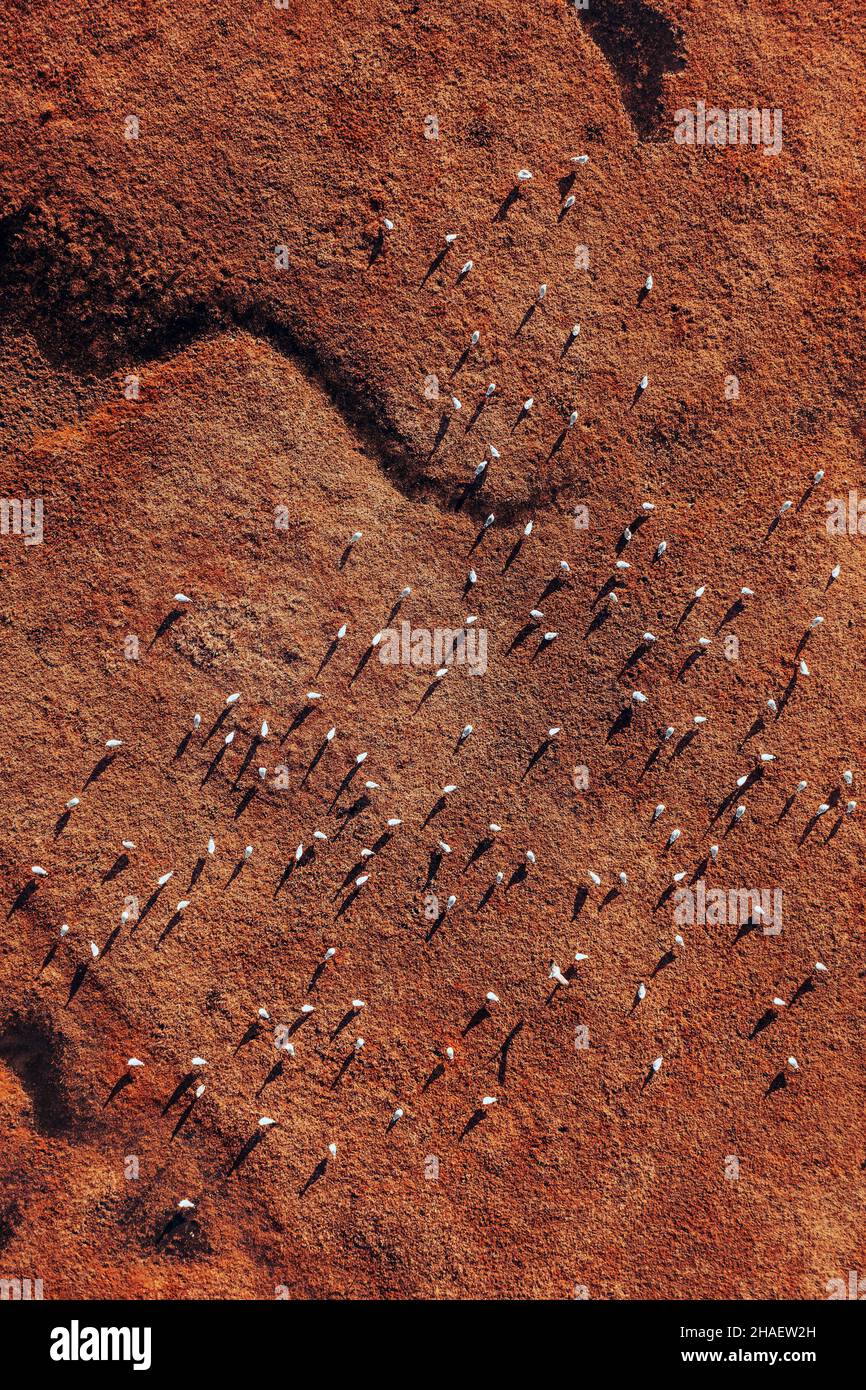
360	876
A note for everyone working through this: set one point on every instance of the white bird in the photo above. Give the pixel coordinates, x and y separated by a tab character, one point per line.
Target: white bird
556	974
265	1122
657	1063
465	732
135	1062
491	998
198	1062
673	837
488	1100
38	871
638	697
94	950
641	991
524	175
397	1115
659	811
230	738
185	1204
359	1044
114	743
72	803
648	283
793	1064
332	1150
233	699
248	852
660	549
580	159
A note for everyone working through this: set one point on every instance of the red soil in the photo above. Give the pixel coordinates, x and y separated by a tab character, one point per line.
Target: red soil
304	389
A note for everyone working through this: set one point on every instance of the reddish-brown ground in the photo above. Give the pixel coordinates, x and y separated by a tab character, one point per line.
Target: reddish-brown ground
303	389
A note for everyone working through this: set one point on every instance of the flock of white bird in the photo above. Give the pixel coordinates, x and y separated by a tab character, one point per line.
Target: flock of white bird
560	978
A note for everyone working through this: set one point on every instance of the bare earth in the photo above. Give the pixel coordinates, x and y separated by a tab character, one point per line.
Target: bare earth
202	412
